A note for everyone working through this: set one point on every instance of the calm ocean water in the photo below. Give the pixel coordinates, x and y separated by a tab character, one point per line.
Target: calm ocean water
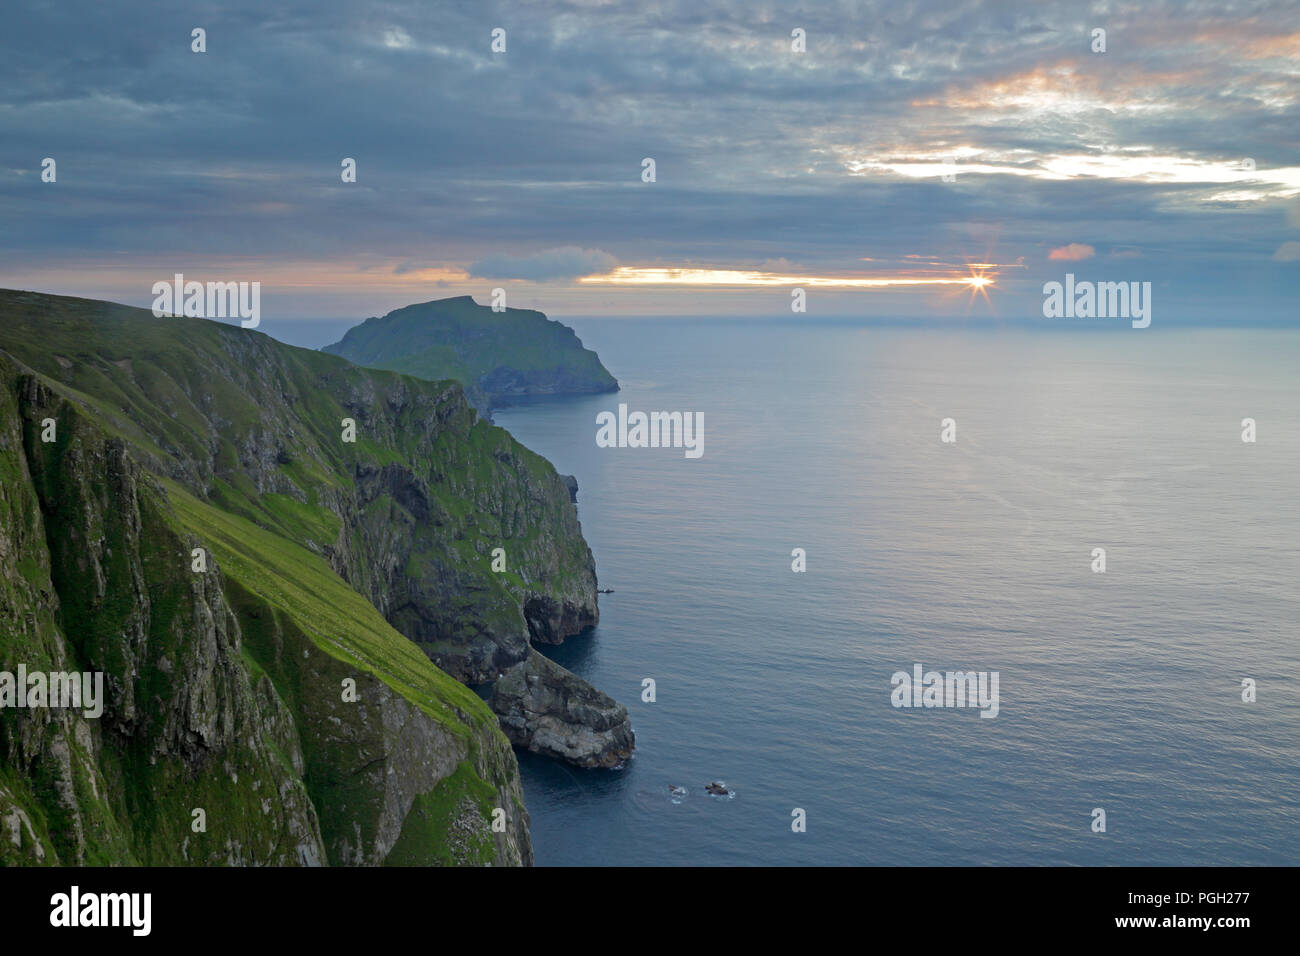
1118	690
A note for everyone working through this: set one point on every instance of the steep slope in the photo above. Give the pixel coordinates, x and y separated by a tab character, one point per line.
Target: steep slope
497	356
226	686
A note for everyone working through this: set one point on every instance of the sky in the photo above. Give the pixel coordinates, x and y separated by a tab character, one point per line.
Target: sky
907	149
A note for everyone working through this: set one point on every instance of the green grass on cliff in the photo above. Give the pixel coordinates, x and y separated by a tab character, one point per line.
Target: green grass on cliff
429	834
340	621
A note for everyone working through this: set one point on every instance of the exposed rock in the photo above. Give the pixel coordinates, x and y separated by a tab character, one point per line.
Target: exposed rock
552	711
551	621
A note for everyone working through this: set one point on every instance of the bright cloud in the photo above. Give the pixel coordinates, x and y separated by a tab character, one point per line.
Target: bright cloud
1074	252
566	262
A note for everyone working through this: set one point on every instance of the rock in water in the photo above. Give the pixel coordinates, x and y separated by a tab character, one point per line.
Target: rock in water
554	712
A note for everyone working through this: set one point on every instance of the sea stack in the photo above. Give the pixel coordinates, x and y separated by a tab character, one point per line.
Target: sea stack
551	711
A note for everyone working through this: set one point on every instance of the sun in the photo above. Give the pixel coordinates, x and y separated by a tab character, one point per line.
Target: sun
979	280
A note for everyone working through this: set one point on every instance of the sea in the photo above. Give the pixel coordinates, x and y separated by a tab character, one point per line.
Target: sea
1148	713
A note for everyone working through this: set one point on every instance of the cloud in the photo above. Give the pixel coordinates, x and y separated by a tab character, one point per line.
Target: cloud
1287	252
397	39
1074	252
409	266
779	160
564	262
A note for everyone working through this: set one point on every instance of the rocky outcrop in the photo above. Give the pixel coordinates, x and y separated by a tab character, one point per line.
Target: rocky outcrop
551	621
504	383
551	711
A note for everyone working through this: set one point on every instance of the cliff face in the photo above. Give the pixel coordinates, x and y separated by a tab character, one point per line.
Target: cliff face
497	356
226	688
215	698
423	535
88	587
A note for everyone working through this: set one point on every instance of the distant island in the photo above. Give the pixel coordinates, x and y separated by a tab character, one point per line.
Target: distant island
497	356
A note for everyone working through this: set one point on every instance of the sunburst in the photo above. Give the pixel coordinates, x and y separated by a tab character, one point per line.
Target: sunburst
979	281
